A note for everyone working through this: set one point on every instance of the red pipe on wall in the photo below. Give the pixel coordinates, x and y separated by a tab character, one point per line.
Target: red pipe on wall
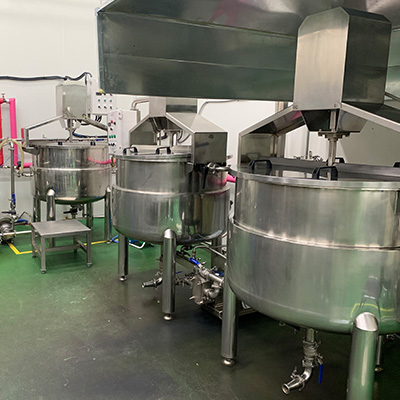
13	127
1	134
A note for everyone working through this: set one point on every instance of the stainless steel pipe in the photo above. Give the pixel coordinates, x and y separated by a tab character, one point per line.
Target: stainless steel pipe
123	246
169	272
107	216
51	211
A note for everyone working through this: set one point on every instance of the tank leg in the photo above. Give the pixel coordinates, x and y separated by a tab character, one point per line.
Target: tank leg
362	360
230	316
107	216
89	215
51	211
123	247
169	272
379	354
36	209
217	261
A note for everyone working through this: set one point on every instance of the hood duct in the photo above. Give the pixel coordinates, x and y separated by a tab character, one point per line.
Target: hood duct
170	117
232	49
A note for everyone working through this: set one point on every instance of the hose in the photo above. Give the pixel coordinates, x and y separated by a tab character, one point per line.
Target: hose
97	138
45	78
131	243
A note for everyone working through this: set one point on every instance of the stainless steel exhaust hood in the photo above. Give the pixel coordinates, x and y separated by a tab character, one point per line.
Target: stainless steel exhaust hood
173	116
340	78
239	49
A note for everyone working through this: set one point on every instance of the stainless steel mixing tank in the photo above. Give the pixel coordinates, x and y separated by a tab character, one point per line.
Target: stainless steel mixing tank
325	257
71	172
155	192
78	172
326	251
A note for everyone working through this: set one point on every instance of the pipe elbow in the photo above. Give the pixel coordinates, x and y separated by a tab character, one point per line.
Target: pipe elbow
298	382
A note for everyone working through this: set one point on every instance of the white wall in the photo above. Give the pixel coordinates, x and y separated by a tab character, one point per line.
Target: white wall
43	37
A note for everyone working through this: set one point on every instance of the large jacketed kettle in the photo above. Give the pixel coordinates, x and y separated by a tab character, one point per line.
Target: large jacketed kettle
318	245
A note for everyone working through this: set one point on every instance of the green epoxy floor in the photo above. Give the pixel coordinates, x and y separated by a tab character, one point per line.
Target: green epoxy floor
79	333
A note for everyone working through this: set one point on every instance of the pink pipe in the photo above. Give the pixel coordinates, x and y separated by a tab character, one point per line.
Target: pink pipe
1	134
231	178
100	162
13	127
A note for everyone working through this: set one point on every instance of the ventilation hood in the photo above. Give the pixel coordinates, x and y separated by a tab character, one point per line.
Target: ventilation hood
234	49
173	116
340	77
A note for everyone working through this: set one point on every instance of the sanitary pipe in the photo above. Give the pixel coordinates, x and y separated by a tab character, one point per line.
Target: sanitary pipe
12	200
310	361
153	282
13	127
51	210
51	205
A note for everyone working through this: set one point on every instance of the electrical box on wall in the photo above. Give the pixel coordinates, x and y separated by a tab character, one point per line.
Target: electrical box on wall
119	124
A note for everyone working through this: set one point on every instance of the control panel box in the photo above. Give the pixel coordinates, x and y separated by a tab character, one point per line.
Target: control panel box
100	103
120	122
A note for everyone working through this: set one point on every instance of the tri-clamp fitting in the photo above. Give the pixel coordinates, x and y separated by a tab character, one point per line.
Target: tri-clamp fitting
311	360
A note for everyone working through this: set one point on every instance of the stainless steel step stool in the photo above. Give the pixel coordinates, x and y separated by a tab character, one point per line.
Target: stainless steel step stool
56	229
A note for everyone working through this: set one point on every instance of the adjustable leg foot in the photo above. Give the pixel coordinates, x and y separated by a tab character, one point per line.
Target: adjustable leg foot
228	362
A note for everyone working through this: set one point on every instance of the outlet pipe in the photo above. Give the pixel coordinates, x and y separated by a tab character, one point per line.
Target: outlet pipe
1	134
13	127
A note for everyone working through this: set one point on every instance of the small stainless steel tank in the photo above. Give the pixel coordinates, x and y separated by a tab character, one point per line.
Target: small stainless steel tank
71	172
78	172
156	192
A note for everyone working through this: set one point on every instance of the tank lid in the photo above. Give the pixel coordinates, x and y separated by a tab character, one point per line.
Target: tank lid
306	173
60	144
